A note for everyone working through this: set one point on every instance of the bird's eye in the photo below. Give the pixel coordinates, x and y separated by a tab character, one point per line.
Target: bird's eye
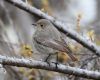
42	26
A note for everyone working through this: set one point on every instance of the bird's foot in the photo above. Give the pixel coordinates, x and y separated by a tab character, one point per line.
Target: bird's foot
56	63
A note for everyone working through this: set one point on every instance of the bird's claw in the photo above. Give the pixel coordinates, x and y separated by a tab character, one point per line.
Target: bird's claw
56	63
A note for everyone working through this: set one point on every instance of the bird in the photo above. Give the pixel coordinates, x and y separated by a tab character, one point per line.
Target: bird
48	40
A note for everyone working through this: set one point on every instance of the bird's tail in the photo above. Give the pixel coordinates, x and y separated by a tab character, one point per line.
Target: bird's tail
72	57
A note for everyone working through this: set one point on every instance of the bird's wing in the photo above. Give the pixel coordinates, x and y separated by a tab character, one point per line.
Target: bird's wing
57	45
64	44
50	43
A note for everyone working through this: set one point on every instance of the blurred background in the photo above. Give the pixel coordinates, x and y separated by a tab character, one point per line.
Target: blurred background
16	31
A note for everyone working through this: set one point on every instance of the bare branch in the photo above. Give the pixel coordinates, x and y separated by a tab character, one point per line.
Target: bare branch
72	34
29	63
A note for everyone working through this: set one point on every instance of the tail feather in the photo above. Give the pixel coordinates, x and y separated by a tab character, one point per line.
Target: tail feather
72	57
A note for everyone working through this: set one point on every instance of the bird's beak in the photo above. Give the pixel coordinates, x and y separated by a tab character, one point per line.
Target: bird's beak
34	24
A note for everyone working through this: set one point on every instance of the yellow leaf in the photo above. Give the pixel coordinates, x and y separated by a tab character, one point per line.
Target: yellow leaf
30	2
31	77
26	50
21	70
32	71
43	10
46	7
45	2
91	35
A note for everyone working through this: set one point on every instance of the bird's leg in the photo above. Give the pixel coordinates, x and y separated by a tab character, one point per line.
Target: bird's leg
46	60
56	63
57	60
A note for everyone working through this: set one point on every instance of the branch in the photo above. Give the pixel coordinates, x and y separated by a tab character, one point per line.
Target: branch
29	63
72	34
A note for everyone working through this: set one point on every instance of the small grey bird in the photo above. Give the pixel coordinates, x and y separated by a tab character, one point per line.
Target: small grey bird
48	40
